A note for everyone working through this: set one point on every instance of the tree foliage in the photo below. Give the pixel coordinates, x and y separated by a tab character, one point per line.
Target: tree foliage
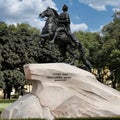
18	46
111	47
92	44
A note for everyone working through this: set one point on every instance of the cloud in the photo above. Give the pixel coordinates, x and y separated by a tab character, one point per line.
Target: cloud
77	18
116	9
24	11
27	11
77	27
100	5
70	2
101	27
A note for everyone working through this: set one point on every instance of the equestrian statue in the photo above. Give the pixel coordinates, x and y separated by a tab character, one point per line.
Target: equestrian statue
57	30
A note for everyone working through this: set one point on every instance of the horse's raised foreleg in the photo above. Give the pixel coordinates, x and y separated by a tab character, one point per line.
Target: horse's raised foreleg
56	33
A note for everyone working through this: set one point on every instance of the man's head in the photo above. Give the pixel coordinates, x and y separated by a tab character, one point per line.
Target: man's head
65	8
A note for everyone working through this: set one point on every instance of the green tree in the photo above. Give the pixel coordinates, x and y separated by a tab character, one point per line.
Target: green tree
111	46
18	46
92	44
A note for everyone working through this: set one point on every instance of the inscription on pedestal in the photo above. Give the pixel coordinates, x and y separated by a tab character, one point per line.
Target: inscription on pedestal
59	76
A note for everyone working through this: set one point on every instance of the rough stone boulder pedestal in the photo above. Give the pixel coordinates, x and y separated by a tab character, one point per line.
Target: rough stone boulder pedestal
62	90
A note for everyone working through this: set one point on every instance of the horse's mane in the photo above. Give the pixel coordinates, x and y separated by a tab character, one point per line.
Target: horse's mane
55	12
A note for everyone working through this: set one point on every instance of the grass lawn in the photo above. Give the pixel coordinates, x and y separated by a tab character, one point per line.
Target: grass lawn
3	106
5	103
94	118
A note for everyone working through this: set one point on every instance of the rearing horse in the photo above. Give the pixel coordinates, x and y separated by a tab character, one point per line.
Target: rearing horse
51	24
52	30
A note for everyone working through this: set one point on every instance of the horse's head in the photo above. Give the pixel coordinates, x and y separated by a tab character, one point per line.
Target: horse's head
48	12
51	21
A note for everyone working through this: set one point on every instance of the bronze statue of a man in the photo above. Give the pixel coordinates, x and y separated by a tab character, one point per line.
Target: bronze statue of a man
64	18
